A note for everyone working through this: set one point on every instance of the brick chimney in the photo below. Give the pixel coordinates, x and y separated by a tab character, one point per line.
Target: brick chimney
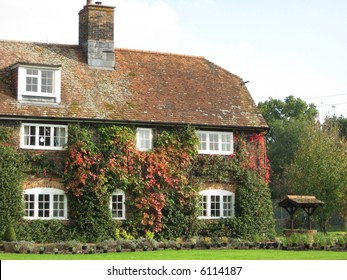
96	25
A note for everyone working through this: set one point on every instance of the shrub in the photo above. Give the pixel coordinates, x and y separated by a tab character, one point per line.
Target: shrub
46	231
219	228
253	206
10	234
320	239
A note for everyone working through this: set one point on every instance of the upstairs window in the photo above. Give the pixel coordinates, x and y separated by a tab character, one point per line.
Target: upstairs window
219	143
43	136
45	203
39	83
216	204
144	139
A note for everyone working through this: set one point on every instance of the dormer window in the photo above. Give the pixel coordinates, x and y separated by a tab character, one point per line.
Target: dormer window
39	83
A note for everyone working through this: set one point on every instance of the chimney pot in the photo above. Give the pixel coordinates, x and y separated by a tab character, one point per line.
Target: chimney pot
98	3
89	2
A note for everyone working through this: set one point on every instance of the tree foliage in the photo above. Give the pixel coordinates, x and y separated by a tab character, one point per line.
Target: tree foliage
286	120
319	168
290	109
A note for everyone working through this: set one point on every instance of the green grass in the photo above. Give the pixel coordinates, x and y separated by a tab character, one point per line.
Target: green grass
189	255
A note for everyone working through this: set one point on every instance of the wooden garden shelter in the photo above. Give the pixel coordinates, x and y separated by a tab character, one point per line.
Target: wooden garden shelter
308	203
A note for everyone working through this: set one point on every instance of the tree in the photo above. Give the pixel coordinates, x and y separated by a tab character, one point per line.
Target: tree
319	168
286	120
341	122
289	109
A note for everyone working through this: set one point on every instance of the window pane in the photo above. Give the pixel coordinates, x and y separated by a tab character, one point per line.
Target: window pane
32	72
59	136
46	81
214	142
117	206
202	141
44	136
144	139
58	205
29	135
43	205
226	142
32	80
227	205
215	206
29	200
203	206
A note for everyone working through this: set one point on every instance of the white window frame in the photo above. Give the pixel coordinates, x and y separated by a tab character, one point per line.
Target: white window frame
207	195
139	140
37	137
209	137
51	192
118	193
22	82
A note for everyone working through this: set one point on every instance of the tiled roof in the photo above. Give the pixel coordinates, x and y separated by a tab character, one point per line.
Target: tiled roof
300	200
146	86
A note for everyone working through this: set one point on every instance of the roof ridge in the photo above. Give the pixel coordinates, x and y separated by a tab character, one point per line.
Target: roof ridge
39	43
159	53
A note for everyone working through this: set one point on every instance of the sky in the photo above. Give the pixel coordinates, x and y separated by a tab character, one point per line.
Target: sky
282	47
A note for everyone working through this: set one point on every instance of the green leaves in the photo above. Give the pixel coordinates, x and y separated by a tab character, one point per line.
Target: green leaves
319	168
13	168
150	179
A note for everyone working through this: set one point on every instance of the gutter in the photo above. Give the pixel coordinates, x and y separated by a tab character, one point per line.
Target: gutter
130	122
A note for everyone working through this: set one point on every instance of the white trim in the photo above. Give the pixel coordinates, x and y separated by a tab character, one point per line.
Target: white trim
217	193
56	86
122	193
46	191
138	139
36	137
208	135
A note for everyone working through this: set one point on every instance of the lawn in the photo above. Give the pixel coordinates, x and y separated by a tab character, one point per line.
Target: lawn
189	255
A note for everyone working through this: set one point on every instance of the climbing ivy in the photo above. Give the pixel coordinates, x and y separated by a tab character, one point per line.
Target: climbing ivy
154	181
13	167
250	173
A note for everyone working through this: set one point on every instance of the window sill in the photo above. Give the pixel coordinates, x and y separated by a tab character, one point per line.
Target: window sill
45	219
42	148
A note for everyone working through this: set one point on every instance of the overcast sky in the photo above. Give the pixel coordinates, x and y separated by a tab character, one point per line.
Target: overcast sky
282	47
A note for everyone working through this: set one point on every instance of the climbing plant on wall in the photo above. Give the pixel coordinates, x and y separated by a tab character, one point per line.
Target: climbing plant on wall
161	195
154	181
13	167
88	195
248	169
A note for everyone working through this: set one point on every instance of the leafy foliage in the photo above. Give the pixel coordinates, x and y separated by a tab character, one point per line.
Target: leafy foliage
286	120
290	109
44	231
153	181
88	195
13	167
253	207
319	169
10	234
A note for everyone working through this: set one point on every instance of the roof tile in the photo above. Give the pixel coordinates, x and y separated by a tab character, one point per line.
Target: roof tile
146	86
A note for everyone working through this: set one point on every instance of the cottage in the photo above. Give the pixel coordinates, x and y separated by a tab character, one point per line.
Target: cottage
44	88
